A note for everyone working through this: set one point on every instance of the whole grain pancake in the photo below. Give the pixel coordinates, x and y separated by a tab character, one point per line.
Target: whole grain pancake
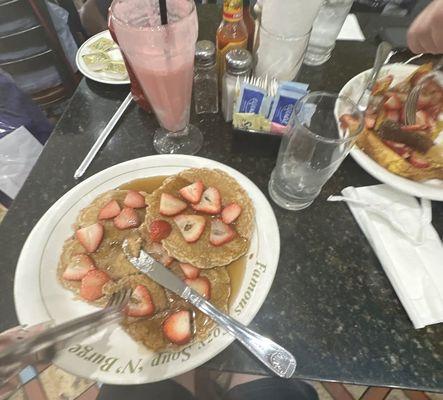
202	253
148	331
109	257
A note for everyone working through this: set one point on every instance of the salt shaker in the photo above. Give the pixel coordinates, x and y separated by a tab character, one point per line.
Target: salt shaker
205	78
238	66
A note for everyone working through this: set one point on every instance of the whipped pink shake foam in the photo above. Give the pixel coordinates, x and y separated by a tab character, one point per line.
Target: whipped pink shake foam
161	56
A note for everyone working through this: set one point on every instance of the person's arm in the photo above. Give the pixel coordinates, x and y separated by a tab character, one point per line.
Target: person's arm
425	35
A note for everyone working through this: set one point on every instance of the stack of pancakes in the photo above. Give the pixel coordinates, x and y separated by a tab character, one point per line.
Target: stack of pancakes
212	261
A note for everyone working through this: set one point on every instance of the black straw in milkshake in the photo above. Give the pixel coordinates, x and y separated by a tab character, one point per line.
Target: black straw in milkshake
163	12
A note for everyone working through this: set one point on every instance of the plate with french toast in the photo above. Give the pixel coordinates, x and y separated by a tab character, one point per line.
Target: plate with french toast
206	222
406	157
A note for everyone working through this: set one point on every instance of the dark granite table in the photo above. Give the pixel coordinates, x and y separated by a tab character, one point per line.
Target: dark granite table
330	304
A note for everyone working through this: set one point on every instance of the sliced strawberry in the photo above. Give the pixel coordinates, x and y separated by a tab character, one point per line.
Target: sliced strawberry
90	236
192	192
128	218
134	200
140	304
189	270
349	121
230	213
160	254
422	118
392	102
210	202
177	327
78	267
382	84
110	210
170	205
393	115
220	233
191	226
370	121
92	284
201	285
400	148
159	230
417	161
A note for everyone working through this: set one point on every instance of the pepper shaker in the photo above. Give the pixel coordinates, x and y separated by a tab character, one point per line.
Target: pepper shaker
205	78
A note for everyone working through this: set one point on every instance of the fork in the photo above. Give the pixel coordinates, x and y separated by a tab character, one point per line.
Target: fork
412	99
30	346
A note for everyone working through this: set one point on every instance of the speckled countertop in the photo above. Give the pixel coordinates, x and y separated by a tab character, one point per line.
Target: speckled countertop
330	304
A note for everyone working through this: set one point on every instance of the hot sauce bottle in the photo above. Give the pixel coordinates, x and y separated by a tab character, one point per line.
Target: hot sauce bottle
232	32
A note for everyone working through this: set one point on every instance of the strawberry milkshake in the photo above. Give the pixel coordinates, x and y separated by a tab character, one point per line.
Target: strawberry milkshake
162	59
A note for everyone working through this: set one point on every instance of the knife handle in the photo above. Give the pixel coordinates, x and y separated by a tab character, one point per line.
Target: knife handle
384	52
275	357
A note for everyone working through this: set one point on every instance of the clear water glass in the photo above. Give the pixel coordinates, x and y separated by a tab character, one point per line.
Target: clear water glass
278	56
312	148
327	26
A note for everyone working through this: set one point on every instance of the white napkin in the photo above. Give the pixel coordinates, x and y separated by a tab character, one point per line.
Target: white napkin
399	230
351	30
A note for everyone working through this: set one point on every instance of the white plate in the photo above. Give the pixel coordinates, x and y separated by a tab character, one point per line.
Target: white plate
98	76
431	189
111	356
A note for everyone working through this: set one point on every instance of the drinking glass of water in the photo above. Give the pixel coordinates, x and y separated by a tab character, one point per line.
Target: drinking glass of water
327	26
319	136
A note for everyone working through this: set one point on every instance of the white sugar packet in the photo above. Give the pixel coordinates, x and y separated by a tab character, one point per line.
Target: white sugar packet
399	230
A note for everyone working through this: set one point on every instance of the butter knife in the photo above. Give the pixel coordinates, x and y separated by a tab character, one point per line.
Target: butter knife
275	357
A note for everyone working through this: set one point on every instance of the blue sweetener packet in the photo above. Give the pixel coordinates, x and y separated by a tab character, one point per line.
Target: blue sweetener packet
251	99
284	105
294	86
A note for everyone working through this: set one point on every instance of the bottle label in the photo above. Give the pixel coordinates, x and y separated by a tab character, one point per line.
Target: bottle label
232	10
221	54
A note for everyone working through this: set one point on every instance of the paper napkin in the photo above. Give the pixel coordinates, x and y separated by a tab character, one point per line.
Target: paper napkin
399	229
351	30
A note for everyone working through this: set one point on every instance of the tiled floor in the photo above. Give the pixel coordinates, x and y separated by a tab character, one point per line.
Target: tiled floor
55	384
2	212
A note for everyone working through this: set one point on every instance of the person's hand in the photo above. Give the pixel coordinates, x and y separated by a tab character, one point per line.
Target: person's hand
425	35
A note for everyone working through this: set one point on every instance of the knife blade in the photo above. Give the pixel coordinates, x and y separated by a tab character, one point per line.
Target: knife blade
160	274
275	357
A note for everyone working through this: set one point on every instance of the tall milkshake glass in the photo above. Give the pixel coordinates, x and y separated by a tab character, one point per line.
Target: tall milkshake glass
162	59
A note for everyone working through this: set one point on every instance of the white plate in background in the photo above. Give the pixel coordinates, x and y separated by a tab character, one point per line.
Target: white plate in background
99	76
431	189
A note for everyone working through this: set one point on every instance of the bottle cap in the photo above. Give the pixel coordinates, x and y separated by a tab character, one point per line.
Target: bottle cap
238	61
205	52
